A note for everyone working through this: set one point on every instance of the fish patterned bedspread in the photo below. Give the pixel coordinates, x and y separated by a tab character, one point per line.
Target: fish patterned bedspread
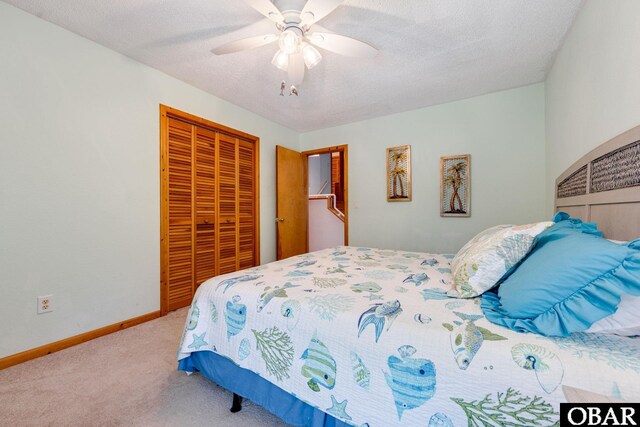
370	337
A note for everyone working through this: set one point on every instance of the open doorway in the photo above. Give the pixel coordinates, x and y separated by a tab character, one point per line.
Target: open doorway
327	204
298	229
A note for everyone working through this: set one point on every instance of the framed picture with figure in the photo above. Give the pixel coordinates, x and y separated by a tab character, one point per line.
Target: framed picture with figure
455	185
399	174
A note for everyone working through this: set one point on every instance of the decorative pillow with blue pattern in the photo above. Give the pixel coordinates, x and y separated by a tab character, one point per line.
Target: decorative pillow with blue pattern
486	258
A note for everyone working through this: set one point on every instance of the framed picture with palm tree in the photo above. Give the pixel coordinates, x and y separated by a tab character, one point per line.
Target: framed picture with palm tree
455	185
399	174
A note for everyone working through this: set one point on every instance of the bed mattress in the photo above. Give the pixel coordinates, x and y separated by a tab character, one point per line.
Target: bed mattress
370	336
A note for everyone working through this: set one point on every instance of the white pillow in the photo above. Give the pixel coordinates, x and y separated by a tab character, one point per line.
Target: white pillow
482	262
625	321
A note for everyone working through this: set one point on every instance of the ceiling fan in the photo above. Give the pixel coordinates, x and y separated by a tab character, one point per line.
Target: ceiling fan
297	42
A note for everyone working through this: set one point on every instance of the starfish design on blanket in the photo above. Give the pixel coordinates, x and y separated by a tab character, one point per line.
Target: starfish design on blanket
198	341
338	410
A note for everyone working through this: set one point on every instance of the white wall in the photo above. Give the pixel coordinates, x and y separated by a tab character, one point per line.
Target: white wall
319	172
503	132
593	88
79	179
325	229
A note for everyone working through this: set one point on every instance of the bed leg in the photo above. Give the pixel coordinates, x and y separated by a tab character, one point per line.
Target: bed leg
236	406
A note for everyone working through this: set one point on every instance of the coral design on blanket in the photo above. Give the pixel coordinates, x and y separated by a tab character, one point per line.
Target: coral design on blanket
329	305
277	351
509	408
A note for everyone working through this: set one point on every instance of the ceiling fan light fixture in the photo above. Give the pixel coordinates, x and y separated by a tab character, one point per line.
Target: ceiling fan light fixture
289	41
315	38
311	56
281	60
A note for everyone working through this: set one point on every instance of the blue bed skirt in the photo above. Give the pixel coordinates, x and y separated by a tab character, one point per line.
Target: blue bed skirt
247	384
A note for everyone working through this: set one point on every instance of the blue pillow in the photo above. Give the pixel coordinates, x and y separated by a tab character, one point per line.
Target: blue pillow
566	225
571	279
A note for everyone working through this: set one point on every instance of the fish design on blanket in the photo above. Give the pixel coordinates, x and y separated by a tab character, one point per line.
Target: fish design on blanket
361	374
444	270
452	305
193	318
277	292
430	262
228	283
412	381
371	287
416	279
319	366
339	269
422	318
235	316
379	314
338	253
305	263
298	273
545	363
214	313
399	267
411	255
435	294
466	338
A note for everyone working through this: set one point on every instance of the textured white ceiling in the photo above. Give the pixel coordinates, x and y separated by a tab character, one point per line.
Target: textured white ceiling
431	51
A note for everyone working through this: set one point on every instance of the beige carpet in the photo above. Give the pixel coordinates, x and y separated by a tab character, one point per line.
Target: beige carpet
127	378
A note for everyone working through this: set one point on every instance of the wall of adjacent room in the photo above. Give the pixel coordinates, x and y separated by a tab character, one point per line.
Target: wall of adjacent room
593	88
503	132
80	179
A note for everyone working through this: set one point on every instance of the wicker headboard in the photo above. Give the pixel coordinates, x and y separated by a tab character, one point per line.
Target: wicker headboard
604	187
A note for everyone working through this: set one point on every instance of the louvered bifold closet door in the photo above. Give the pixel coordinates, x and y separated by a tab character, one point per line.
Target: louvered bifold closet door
246	204
209	207
180	212
205	185
227	154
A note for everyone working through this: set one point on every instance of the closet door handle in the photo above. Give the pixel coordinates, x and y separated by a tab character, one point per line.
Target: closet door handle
279	219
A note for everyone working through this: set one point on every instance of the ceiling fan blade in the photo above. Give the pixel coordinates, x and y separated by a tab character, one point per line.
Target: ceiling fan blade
266	8
296	68
343	45
244	44
315	10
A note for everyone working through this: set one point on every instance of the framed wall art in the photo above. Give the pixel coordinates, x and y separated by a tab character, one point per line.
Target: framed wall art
455	186
399	174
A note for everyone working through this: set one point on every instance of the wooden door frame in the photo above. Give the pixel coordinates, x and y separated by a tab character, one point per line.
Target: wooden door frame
344	149
167	112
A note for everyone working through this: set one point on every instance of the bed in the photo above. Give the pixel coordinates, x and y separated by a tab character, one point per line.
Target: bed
370	337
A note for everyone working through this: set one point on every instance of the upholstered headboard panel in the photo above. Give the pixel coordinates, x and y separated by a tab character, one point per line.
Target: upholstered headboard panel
604	187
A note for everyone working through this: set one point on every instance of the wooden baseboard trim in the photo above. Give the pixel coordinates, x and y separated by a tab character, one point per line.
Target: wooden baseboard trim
34	353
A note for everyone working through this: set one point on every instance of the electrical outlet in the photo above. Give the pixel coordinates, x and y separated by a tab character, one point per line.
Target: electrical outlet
45	304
